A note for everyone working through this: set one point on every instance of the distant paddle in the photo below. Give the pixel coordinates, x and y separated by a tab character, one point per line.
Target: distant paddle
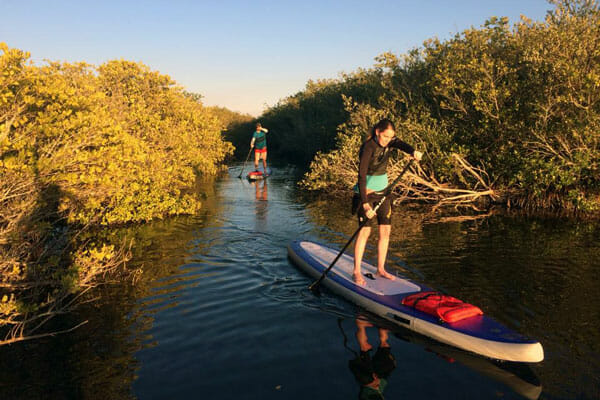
244	164
314	287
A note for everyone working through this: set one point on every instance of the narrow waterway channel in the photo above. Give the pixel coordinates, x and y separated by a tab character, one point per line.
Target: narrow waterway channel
220	312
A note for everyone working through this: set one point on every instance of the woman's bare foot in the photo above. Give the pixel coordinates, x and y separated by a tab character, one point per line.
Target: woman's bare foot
387	275
358	279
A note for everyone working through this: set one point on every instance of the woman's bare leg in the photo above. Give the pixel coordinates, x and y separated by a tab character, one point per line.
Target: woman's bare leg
264	162
359	251
382	248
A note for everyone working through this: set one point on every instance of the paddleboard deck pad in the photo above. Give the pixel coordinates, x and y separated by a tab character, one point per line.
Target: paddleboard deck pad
479	334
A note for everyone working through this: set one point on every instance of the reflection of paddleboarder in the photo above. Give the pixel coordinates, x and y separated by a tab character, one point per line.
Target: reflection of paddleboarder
372	372
261	191
261	205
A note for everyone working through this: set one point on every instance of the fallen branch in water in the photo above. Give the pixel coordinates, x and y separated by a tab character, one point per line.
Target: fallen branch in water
42	335
419	186
458	218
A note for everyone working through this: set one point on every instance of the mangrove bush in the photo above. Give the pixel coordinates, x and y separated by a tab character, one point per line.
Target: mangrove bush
84	146
511	112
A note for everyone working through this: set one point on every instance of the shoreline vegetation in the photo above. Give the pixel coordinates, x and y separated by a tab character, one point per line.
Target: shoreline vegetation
506	115
81	148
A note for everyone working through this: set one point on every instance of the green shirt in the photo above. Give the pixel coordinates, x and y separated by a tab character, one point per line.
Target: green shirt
260	140
375	182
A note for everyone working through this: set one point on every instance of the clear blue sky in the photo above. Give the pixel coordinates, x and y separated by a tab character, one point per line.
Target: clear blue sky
242	54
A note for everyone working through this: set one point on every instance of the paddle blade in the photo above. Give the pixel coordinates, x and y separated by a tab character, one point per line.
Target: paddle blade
314	288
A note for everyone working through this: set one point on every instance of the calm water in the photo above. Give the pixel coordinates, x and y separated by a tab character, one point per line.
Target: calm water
220	313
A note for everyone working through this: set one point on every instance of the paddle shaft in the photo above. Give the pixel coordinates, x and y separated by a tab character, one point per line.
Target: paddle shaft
386	193
244	164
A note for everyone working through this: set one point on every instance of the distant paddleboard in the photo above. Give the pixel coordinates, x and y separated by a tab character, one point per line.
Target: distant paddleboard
258	175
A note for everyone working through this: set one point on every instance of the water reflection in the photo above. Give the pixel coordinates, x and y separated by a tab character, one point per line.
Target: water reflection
261	190
261	205
373	370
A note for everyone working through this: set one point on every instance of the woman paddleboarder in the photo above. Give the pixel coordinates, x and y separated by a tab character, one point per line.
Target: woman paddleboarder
259	144
372	181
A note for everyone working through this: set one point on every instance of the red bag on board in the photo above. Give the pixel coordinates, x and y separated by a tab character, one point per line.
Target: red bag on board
446	308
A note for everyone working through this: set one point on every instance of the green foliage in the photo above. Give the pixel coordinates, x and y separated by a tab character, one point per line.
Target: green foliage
306	122
236	128
229	118
124	143
525	102
84	146
521	102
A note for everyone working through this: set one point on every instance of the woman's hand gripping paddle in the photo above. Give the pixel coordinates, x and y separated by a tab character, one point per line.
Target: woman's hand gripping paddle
314	287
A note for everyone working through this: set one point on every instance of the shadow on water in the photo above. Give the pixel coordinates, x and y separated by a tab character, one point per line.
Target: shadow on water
49	257
97	360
